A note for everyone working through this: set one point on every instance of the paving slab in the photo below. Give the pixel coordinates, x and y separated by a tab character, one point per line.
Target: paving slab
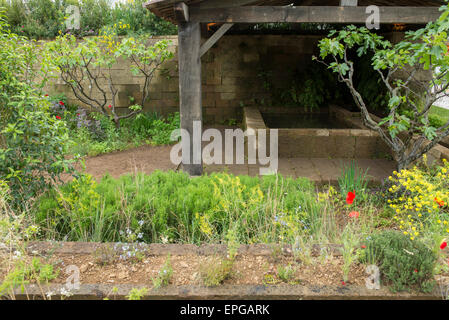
319	170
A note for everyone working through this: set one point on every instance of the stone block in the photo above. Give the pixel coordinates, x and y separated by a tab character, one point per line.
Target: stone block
251	57
365	147
227	95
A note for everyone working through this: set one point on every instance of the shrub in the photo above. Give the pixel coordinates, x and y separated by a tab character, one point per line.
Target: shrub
104	255
215	271
36	19
94	134
32	142
402	262
286	273
140	20
419	198
44	19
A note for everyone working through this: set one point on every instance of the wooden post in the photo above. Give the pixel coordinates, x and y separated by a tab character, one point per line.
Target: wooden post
189	42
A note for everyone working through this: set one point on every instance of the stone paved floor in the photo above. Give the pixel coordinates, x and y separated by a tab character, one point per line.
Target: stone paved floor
321	171
148	158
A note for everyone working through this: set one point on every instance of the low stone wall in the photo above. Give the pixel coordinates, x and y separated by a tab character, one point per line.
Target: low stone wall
356	143
100	291
331	143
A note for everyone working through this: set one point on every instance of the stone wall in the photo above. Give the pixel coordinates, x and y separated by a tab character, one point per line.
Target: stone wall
355	142
231	73
234	74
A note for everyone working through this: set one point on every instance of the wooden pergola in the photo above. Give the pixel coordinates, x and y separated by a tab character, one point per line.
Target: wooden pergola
190	14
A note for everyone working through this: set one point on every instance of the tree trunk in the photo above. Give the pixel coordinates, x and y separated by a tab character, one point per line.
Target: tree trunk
117	122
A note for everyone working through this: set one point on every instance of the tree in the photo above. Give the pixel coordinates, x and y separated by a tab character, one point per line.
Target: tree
406	129
86	67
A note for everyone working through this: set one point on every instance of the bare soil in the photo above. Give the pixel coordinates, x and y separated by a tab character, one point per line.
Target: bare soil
144	159
247	269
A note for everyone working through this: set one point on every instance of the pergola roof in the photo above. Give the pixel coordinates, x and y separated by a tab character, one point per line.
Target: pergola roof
165	8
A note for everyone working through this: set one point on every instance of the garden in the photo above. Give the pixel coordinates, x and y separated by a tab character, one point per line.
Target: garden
142	234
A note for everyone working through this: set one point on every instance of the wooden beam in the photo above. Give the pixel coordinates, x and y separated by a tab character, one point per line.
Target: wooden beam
214	38
154	3
222	3
182	12
190	104
317	14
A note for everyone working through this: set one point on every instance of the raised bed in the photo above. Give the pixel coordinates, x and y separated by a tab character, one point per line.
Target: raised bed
253	263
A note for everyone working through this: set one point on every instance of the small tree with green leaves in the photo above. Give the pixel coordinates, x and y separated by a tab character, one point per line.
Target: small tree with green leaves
86	67
406	129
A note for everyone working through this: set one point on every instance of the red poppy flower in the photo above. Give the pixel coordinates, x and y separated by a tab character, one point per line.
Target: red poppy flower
109	106
440	202
343	283
46	94
443	245
363	247
354	214
350	197
61	103
416	270
58	117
